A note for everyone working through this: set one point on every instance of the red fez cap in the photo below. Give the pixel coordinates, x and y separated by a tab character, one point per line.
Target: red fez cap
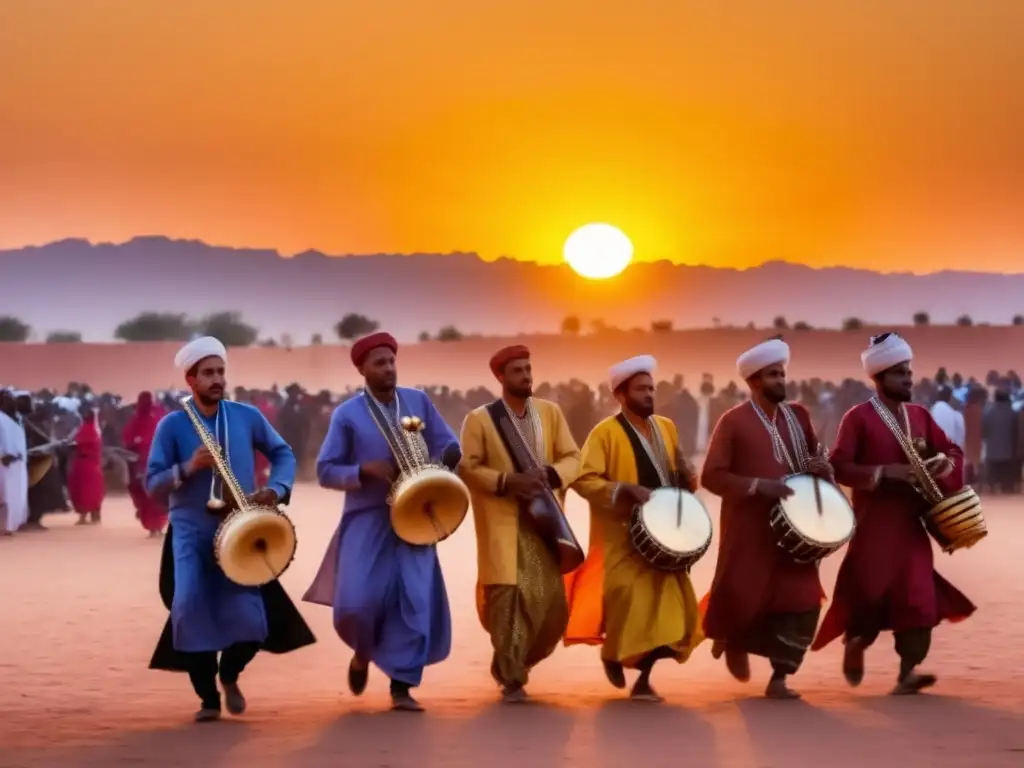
505	356
365	345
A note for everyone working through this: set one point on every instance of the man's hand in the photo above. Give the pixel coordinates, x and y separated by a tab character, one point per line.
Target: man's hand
633	495
773	489
378	470
820	466
201	459
901	473
523	485
264	497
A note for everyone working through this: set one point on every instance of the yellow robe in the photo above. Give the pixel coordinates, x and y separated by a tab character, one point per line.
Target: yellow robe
521	598
616	599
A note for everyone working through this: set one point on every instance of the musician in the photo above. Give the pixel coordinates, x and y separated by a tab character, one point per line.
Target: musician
887	580
514	451
637	614
209	613
762	601
389	599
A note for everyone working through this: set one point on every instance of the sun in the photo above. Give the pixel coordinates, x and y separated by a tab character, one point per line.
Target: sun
598	251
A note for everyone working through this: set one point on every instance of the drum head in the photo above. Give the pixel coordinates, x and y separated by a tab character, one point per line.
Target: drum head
440	491
254	547
833	524
677	520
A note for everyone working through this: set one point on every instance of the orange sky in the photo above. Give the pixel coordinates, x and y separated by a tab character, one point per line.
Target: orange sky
866	132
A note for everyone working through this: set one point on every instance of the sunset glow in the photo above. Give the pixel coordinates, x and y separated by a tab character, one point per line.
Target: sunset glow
710	136
598	251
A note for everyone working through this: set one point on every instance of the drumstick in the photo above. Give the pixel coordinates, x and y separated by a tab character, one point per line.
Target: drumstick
817	494
679	510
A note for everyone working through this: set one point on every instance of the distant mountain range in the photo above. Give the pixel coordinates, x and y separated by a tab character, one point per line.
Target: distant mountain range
91	288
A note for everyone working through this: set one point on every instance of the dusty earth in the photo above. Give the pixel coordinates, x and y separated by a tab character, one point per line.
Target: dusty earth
81	615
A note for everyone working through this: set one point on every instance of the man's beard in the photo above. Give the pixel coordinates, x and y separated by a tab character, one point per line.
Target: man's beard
898	396
774	396
643	410
522	392
210	398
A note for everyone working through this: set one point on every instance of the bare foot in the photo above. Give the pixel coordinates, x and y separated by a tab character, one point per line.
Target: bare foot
514	695
404	702
914	683
642	691
777	689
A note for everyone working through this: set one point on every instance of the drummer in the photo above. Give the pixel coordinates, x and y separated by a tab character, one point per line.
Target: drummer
389	599
209	613
887	580
761	601
637	614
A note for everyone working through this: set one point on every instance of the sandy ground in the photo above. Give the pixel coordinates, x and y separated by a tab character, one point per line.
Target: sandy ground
81	614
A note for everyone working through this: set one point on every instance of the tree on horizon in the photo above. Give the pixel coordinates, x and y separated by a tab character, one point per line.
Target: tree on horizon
780	323
853	324
965	321
922	318
571	325
229	327
155	326
423	337
661	326
449	333
12	329
63	337
1018	320
802	325
316	339
353	326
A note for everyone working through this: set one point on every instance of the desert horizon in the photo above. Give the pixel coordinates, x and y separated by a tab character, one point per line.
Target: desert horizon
127	368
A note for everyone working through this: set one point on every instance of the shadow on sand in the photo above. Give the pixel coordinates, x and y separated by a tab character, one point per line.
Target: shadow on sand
534	734
631	733
981	732
185	744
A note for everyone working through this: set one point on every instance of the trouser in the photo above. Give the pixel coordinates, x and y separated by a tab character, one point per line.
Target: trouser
912	645
646	664
204	669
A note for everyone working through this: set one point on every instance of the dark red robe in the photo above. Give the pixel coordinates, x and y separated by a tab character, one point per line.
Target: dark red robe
138	437
887	580
86	485
754	578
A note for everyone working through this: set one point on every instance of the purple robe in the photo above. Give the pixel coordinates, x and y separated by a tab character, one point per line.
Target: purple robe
389	598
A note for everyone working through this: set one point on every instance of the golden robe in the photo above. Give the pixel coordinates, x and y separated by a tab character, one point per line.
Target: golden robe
520	593
616	599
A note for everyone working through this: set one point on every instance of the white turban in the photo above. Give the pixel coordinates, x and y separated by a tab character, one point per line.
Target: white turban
199	349
758	358
627	369
883	355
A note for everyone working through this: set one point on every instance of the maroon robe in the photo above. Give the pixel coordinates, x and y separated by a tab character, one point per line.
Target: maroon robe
887	579
754	578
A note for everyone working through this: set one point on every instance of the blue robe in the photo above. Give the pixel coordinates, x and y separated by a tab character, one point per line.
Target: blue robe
209	612
389	599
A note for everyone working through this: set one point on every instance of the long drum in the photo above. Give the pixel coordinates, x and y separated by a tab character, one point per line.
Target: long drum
254	546
957	521
816	521
428	505
672	531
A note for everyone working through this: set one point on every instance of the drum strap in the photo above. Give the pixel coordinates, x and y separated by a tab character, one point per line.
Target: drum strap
515	443
390	431
648	473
